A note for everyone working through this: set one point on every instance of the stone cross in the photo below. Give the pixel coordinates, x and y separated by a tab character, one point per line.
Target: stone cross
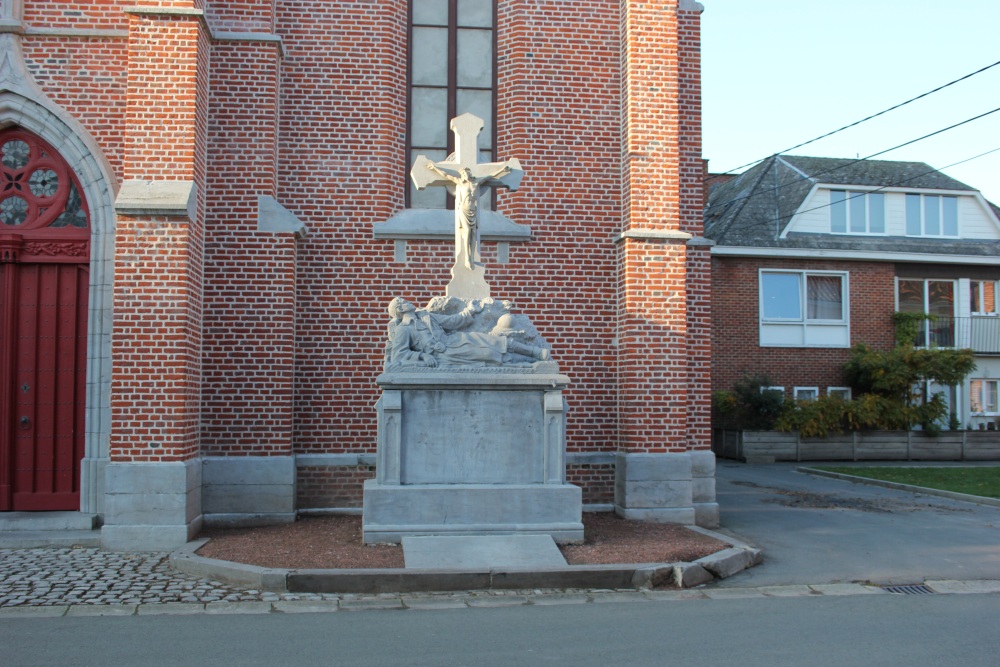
465	177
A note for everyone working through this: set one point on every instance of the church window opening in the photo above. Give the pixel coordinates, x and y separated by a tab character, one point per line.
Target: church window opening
37	188
452	70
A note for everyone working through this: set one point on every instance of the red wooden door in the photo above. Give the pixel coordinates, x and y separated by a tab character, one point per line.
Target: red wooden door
44	278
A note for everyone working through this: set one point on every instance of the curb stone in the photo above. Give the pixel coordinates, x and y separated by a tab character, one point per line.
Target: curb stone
725	563
950	495
975	586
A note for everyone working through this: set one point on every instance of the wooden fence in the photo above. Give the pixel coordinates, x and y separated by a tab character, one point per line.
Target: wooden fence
771	446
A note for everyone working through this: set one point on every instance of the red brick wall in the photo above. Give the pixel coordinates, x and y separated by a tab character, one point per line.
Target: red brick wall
249	344
735	317
87	77
230	341
318	487
156	348
241	15
596	479
658	402
558	111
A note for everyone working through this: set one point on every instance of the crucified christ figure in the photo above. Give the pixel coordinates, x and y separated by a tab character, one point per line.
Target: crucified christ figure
467	192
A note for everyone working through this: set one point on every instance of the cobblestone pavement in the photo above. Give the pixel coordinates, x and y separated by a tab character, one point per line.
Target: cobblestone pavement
92	576
85	581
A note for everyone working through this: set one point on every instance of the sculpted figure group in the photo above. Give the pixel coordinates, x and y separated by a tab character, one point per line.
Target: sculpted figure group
445	334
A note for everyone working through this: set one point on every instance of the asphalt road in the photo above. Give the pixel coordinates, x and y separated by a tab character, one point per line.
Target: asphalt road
814	631
817	530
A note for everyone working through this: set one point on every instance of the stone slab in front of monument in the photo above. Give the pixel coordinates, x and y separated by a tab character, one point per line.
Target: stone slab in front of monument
472	418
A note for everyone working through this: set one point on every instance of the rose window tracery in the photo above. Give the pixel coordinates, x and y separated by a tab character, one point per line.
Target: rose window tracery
37	187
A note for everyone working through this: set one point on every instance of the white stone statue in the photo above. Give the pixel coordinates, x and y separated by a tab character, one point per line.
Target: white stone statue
467	179
432	336
467	192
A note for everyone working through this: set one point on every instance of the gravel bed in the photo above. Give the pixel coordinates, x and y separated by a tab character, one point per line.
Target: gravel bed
335	542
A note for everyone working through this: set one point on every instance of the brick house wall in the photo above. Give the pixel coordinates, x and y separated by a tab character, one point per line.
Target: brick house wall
230	342
736	346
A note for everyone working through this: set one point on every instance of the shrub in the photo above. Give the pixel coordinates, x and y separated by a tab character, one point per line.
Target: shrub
889	386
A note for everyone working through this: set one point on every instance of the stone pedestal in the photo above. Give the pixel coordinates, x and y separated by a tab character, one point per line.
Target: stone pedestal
667	488
476	451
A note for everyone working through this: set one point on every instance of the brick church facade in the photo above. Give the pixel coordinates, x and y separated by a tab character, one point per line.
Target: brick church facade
239	216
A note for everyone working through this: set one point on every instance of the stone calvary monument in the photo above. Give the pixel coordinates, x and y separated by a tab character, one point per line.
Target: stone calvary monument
472	419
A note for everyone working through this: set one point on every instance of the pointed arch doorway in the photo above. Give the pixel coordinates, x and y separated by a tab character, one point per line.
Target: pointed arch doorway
44	278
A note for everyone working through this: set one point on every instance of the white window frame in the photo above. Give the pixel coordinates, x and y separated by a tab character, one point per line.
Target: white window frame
982	396
923	216
853	194
978	308
807	332
831	391
797	390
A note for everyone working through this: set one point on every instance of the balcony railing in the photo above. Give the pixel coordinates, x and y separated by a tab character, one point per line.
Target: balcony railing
980	333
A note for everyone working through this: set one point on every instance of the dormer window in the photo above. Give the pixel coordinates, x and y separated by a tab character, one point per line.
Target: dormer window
931	215
855	212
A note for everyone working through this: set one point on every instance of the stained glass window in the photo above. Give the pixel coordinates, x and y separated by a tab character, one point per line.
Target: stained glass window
452	71
37	187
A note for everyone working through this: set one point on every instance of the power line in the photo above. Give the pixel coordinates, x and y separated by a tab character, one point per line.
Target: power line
850	162
876	115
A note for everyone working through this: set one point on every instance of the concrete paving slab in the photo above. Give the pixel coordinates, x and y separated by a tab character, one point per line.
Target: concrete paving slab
618	596
170	609
498	601
224	607
305	606
964	586
433	603
481	552
102	610
557	599
374	603
847	589
667	596
47	611
798	590
732	593
34	539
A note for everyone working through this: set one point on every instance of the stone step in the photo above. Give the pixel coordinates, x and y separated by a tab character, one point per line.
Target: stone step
47	521
33	539
481	552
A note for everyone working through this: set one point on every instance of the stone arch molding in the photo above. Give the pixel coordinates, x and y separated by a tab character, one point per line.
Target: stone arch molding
25	104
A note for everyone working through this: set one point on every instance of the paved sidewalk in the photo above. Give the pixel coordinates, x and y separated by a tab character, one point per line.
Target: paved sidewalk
66	576
90	582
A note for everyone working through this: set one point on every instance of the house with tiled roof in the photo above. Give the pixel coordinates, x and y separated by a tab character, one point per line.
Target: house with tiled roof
814	255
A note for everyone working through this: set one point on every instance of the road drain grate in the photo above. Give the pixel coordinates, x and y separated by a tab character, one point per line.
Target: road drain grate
909	589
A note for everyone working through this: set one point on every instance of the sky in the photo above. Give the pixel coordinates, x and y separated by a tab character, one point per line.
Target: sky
776	73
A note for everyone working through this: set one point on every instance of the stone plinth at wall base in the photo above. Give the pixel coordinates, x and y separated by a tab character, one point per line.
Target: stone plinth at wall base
248	490
667	488
151	506
247	519
472	451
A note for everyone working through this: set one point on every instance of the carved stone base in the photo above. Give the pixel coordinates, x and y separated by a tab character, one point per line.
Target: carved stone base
393	512
474	452
468	283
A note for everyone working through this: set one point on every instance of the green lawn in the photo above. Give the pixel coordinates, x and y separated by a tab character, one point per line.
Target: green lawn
974	481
